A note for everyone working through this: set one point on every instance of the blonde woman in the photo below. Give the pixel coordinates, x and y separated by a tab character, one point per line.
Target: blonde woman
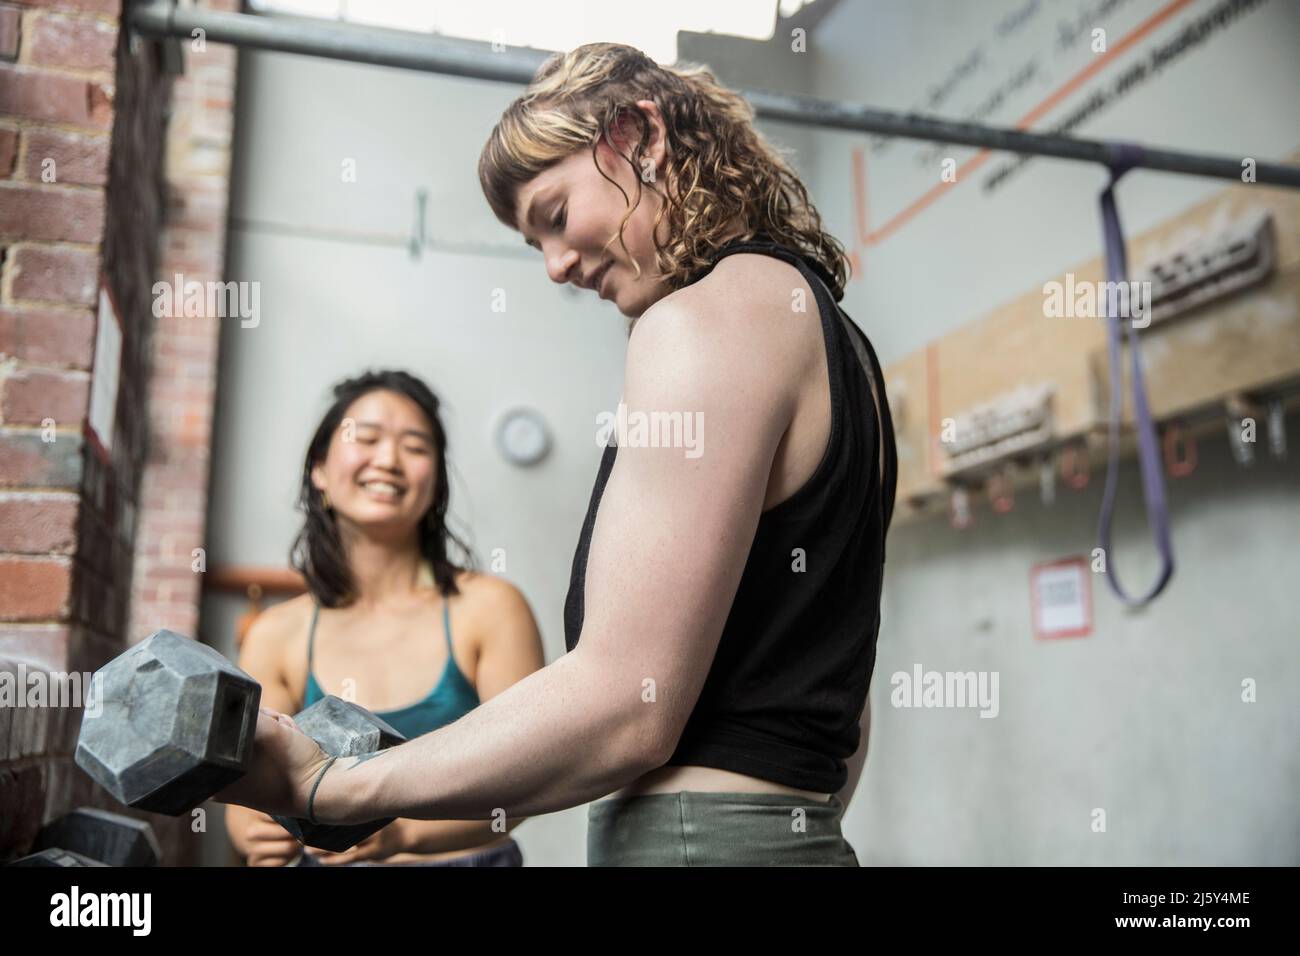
724	599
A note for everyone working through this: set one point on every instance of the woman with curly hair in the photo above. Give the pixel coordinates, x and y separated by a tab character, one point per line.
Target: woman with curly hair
724	598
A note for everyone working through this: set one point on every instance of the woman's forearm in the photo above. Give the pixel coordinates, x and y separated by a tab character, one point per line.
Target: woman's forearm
559	738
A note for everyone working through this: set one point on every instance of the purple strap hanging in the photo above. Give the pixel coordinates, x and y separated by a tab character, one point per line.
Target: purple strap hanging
1123	157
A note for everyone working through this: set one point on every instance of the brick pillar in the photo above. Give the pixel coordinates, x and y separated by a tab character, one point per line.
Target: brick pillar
65	515
182	392
56	112
94	182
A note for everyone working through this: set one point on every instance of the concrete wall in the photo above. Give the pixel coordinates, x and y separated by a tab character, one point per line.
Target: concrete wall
1144	718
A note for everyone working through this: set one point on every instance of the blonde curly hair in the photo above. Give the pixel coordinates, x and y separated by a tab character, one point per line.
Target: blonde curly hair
720	169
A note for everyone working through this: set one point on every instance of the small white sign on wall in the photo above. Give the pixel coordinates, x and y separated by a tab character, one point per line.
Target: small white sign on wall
1060	594
106	372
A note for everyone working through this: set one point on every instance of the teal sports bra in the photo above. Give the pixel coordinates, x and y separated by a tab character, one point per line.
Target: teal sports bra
453	698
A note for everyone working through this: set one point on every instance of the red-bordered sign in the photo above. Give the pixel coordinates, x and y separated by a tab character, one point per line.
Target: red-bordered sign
1060	598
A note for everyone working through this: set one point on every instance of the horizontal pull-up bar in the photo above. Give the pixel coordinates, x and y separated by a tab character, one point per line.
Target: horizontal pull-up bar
474	60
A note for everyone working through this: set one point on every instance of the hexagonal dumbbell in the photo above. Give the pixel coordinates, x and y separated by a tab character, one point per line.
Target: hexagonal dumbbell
177	724
110	838
343	730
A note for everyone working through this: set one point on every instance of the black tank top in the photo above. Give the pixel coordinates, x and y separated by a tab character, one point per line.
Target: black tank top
789	680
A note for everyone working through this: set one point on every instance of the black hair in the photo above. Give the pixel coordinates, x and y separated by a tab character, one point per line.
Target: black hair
318	552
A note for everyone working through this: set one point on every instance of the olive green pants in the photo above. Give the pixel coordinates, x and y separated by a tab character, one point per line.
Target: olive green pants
695	828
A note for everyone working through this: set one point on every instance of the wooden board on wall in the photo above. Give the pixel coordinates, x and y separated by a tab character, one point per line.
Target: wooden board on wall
1248	341
905	384
1246	344
1018	345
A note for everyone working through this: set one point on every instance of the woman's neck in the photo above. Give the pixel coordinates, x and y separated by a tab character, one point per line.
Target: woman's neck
381	573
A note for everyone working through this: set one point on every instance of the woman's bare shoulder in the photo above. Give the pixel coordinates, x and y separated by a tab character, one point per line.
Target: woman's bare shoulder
481	590
498	620
750	326
750	301
754	277
279	628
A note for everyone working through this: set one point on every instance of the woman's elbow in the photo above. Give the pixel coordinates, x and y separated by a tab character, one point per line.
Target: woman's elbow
656	743
646	742
639	730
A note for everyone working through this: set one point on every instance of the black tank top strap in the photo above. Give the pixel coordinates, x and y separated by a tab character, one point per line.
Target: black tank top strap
839	332
857	342
764	244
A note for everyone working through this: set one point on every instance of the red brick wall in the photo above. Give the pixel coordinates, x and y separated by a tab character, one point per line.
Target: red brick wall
106	163
62	586
183	391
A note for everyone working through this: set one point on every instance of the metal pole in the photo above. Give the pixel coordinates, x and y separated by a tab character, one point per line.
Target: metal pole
850	116
474	60
340	41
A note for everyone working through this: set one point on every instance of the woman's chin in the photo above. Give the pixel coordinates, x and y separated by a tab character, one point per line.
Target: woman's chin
385	521
631	310
635	302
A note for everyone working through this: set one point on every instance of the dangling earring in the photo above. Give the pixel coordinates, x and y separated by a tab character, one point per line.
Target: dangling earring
324	500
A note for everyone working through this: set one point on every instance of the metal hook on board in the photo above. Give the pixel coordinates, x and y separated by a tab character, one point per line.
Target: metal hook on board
1180	451
1002	496
1075	469
1047	480
959	515
1277	428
